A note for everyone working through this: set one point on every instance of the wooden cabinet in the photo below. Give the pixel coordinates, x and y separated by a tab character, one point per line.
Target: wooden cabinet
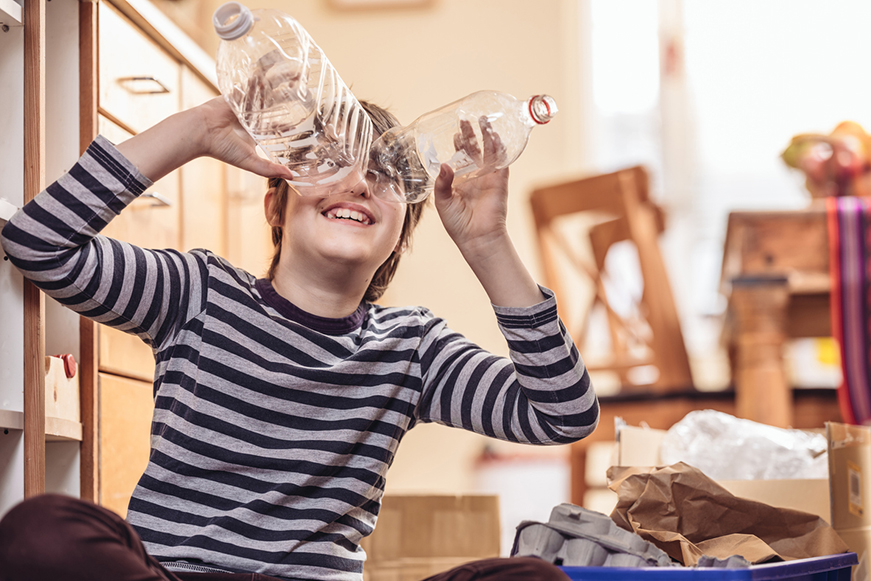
135	91
126	407
204	207
152	220
249	237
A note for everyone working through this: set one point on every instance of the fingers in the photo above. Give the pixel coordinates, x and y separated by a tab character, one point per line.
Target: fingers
467	141
494	149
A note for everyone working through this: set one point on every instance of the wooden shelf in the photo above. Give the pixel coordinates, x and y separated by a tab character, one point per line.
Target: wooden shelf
60	430
11	420
11	13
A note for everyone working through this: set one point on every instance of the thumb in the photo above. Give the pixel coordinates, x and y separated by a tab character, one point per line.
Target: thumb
443	183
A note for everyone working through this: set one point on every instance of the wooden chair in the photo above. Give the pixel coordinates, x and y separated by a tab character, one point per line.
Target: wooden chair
650	334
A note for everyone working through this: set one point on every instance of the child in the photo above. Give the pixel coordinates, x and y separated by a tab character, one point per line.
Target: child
280	402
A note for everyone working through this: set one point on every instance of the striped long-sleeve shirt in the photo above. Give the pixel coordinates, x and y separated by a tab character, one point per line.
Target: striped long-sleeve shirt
273	429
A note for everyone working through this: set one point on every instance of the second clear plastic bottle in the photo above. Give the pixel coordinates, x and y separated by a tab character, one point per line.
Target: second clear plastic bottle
454	134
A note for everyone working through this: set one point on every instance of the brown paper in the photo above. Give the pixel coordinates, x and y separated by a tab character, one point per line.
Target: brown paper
687	515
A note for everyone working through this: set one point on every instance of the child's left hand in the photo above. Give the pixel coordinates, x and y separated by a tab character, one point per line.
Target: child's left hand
474	212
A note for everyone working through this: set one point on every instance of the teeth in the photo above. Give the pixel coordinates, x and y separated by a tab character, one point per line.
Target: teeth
348	214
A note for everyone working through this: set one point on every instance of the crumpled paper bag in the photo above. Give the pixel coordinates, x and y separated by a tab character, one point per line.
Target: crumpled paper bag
687	515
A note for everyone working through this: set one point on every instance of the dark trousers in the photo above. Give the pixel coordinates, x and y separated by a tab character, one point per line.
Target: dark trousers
54	537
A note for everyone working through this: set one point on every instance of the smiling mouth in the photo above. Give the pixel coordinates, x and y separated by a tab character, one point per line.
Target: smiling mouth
346	214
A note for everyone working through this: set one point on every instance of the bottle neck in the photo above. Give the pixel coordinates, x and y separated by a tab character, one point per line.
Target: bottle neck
542	108
232	20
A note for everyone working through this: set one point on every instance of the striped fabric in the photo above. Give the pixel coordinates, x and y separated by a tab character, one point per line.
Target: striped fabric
848	229
273	429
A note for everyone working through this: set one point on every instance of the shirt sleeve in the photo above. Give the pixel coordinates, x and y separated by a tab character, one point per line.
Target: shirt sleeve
54	241
541	394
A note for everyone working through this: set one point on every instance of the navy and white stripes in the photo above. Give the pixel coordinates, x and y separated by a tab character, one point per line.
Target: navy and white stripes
273	430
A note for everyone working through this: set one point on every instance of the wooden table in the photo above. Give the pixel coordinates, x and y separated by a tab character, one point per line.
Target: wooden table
776	276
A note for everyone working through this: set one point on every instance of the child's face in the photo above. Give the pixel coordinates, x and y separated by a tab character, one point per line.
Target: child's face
350	226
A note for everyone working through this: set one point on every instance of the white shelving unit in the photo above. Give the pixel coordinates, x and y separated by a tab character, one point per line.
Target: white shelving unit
11	283
60	326
11	13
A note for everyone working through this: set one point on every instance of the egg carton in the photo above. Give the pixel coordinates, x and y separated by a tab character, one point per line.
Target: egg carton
577	537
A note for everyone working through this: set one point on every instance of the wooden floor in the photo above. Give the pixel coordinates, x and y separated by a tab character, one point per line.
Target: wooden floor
812	408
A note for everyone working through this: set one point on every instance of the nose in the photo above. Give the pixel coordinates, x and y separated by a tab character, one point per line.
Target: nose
359	186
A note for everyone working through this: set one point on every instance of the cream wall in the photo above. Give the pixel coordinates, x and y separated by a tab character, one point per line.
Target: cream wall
414	60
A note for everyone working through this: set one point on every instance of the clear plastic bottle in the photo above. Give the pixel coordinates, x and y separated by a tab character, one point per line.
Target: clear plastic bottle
412	155
289	97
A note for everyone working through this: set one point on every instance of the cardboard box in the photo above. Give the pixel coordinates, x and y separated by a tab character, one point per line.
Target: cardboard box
419	535
849	475
640	447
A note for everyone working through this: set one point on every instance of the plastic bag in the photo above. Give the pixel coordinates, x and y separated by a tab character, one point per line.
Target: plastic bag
728	448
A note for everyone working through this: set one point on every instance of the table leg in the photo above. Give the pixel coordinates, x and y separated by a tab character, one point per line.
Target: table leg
762	390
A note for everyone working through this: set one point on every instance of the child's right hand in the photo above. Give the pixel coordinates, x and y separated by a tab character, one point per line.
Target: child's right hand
210	129
224	138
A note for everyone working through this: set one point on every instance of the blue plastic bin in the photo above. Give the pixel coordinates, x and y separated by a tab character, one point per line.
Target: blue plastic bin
830	568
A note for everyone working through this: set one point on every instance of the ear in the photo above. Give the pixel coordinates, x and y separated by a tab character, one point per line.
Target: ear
269	208
400	247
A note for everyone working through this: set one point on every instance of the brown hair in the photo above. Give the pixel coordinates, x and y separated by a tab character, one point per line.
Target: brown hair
382	120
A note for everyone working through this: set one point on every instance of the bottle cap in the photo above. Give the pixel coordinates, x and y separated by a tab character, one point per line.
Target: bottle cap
542	108
232	20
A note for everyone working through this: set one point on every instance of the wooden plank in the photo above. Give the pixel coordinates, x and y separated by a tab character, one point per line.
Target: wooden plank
762	390
88	400
61	430
61	391
34	301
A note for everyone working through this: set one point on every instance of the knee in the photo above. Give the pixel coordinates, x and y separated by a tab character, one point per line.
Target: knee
31	527
35	510
538	569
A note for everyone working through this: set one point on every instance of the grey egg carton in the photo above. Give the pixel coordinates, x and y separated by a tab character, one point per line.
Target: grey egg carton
577	537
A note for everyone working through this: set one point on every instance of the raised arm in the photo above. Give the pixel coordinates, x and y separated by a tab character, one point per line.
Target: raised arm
542	394
209	130
54	240
474	215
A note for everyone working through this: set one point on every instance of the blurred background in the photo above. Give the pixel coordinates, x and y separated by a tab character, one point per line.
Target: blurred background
705	95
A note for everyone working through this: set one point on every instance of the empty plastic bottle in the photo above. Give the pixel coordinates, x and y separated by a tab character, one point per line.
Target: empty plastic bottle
411	157
289	97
